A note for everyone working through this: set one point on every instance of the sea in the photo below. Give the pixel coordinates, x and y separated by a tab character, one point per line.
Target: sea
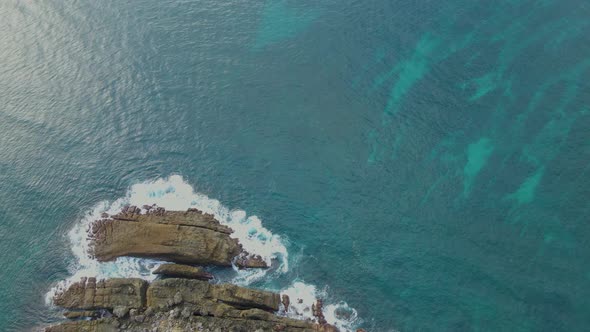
419	165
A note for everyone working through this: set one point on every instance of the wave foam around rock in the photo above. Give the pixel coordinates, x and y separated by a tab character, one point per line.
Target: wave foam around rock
174	193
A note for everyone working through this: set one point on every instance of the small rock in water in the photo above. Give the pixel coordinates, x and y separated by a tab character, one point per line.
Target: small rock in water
318	312
250	261
285	300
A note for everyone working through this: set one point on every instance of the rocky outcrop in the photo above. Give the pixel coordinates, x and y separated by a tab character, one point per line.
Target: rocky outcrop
89	294
183	271
174	305
208	298
190	237
246	260
183	299
285	301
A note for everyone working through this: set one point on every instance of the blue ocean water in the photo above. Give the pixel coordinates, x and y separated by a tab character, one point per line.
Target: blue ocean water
426	162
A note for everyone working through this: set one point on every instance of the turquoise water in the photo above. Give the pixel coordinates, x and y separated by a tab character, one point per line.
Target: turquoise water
428	162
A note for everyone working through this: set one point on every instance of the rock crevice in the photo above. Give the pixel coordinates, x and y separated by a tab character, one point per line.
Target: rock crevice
185	304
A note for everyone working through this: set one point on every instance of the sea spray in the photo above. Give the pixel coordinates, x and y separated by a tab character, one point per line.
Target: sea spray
303	296
173	193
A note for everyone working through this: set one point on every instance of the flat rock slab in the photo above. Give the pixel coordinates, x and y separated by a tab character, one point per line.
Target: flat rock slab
191	217
200	293
183	271
189	237
88	294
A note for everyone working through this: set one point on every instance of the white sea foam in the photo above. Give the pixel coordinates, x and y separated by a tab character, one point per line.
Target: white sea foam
302	296
173	193
342	316
176	194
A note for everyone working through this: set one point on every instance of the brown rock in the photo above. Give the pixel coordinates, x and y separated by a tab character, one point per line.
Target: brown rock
285	300
198	292
197	305
161	291
184	237
183	271
105	294
250	261
179	324
245	297
318	311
